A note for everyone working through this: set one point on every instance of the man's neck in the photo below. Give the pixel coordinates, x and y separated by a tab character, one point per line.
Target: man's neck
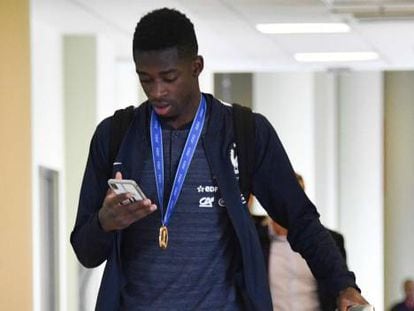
165	125
188	117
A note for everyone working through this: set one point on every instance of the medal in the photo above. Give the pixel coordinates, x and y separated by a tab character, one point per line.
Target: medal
185	160
163	237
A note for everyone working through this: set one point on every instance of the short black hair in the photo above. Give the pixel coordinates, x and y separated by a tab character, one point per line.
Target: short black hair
163	29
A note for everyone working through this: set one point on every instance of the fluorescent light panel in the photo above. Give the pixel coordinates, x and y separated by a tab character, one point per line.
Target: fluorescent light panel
297	28
336	57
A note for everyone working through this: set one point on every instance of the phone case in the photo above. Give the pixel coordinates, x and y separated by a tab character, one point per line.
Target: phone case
361	308
127	186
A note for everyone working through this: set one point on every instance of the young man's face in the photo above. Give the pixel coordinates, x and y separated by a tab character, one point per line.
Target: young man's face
170	83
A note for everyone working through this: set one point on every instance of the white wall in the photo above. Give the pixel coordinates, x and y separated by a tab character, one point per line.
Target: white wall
361	178
207	80
47	137
127	88
326	147
287	100
105	76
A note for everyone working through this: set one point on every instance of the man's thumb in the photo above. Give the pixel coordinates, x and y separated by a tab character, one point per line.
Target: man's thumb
118	175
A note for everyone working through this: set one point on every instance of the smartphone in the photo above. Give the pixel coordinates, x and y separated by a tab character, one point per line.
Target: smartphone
127	186
361	308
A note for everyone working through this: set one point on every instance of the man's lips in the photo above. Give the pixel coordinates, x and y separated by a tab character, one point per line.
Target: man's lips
161	109
160	105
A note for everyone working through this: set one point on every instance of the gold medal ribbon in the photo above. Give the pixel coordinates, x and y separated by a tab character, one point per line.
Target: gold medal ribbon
185	160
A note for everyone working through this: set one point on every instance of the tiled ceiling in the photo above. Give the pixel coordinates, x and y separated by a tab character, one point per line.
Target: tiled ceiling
228	38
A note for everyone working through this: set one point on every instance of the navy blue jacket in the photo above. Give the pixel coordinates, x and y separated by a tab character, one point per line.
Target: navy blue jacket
274	185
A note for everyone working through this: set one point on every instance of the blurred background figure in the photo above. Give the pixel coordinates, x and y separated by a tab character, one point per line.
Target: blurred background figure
408	303
292	284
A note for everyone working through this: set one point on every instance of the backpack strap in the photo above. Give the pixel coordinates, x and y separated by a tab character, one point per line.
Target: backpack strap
120	123
244	129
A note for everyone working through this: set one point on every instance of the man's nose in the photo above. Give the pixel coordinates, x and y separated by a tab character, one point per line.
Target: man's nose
158	90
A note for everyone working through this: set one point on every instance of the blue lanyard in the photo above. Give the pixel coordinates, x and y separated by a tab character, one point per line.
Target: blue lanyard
185	160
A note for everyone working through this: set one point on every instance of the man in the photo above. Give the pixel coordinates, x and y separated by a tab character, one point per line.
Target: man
408	303
192	244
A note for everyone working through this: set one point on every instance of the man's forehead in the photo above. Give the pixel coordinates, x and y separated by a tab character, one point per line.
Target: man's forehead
168	53
167	58
159	61
166	71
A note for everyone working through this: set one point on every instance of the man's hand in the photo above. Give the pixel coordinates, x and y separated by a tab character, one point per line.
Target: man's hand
349	297
114	216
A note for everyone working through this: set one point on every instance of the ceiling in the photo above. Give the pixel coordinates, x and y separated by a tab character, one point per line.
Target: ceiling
229	40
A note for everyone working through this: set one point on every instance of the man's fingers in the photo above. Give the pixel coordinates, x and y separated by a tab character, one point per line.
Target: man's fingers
112	199
141	209
114	215
350	297
118	175
146	210
130	213
145	204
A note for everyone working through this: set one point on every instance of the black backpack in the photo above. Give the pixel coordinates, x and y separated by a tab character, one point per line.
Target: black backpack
244	134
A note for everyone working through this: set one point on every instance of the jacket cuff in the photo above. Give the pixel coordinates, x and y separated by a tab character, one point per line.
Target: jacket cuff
345	283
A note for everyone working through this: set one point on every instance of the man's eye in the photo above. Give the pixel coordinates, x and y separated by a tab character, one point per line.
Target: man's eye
170	78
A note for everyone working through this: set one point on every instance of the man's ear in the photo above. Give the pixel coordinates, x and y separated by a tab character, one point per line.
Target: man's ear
198	65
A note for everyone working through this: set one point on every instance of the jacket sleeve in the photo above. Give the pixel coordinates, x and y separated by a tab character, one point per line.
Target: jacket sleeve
276	188
91	244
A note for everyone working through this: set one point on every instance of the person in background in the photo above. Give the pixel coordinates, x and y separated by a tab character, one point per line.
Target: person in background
292	283
408	303
191	245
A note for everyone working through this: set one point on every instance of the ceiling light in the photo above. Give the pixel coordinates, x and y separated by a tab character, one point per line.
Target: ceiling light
292	28
336	57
